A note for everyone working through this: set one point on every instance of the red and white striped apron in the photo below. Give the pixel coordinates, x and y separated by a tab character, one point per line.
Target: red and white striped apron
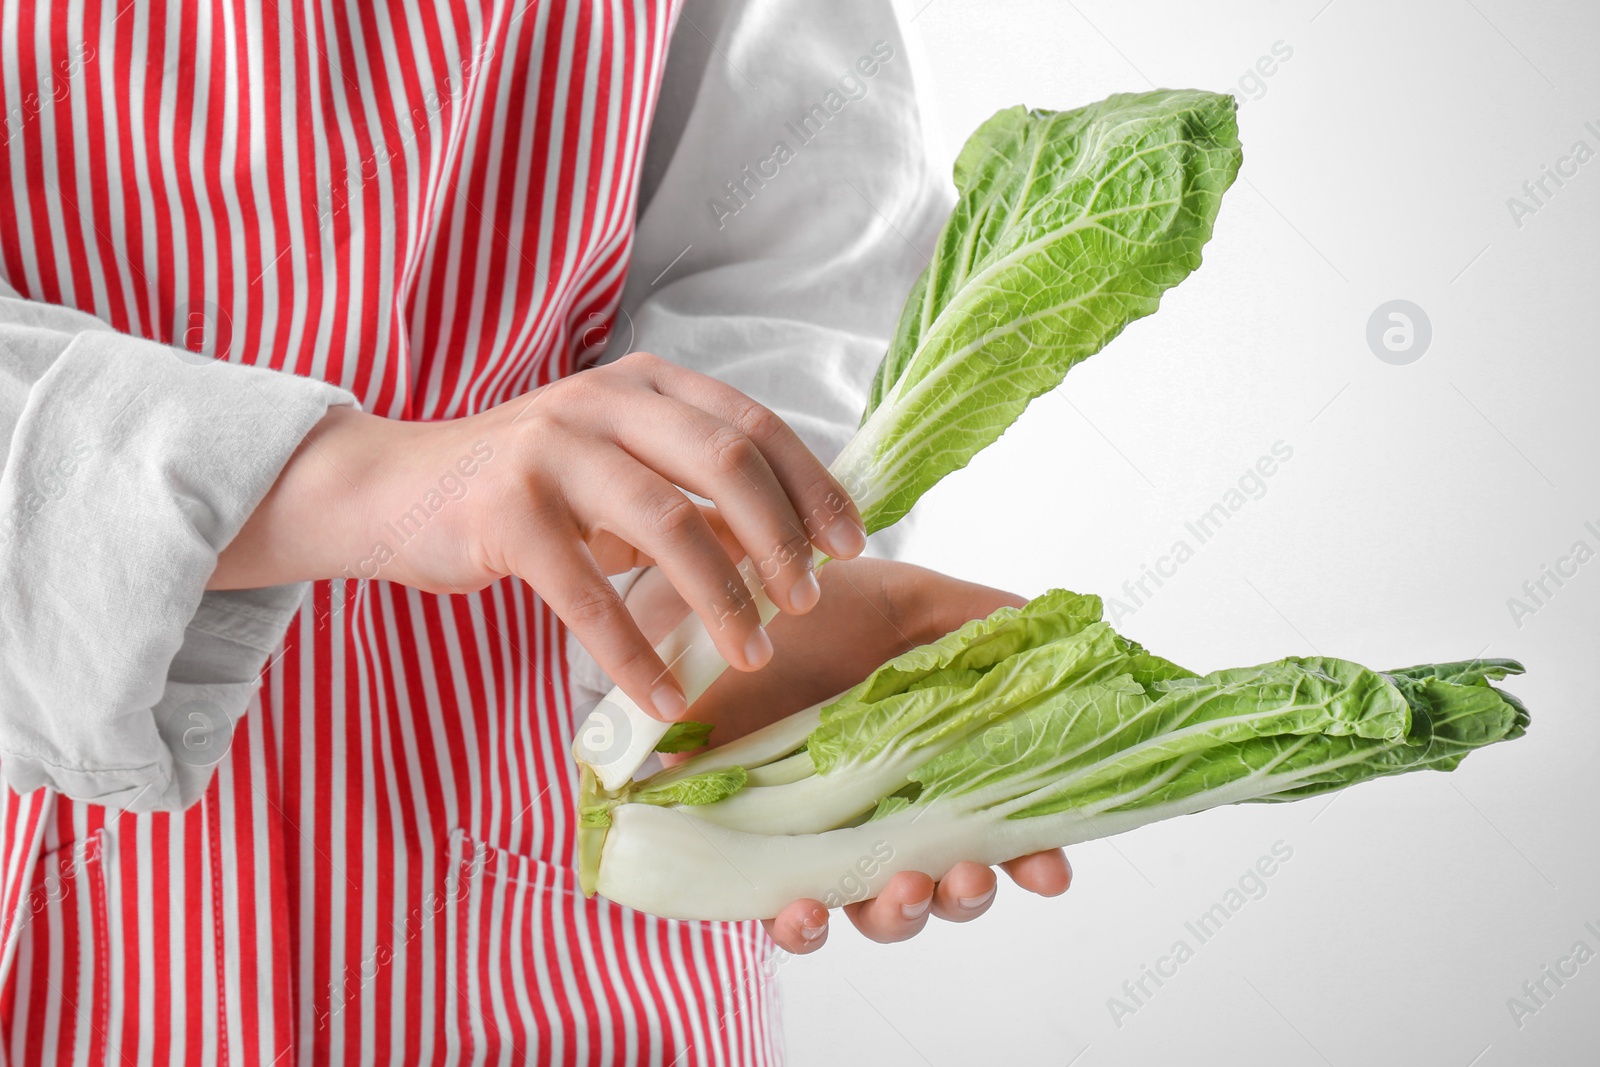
431	206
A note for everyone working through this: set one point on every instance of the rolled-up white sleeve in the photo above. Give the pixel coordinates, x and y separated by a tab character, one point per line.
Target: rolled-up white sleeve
128	466
789	200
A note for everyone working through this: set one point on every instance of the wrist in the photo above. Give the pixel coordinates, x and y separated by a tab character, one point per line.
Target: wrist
315	522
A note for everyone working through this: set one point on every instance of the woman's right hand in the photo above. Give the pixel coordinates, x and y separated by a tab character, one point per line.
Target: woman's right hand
561	487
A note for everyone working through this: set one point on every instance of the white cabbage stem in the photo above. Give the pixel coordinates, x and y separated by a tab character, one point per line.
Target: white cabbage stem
618	735
670	862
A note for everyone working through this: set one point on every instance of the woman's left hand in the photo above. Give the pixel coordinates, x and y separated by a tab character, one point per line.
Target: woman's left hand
870	611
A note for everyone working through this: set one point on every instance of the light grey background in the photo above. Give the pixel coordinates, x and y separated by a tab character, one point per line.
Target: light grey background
1378	162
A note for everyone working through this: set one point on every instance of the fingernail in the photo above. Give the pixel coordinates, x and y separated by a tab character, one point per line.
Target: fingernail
669	702
917	910
806	593
844	539
978	901
813	930
758	648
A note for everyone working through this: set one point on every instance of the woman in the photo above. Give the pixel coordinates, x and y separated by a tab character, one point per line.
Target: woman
304	490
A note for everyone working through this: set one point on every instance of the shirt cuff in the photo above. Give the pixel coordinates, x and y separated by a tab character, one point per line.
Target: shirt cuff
131	467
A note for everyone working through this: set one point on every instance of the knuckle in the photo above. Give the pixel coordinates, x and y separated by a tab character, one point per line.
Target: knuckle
591	607
672	517
575	390
638	361
731	451
758	421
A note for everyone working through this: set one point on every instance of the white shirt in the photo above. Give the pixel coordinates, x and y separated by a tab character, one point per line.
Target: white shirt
122	480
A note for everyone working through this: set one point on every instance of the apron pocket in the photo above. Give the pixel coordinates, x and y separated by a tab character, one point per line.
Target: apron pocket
510	946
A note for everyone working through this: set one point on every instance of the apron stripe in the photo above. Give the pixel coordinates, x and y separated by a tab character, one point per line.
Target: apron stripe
429	202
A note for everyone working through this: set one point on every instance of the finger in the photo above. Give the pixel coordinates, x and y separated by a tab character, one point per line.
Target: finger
649	512
800	928
614	555
713	458
831	520
964	893
555	562
1047	873
719	526
897	913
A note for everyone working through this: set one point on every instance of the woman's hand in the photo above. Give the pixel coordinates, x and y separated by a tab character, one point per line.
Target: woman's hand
562	487
870	611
